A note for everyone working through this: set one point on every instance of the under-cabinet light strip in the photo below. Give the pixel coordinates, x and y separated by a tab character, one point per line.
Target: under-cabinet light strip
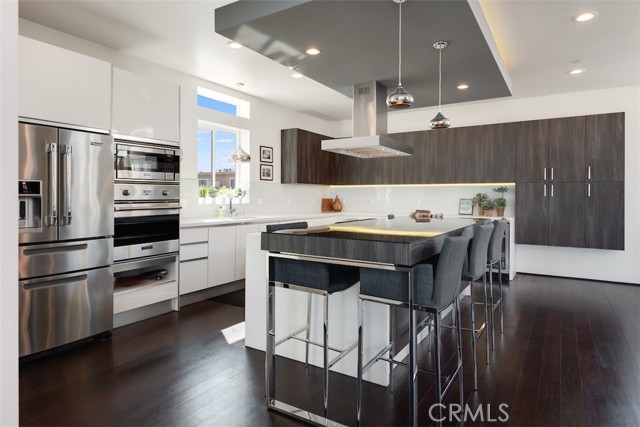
484	184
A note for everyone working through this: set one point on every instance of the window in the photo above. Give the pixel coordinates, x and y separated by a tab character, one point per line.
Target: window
222	103
216	105
214	148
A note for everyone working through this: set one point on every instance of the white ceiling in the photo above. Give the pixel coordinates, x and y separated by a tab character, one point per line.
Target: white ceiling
537	39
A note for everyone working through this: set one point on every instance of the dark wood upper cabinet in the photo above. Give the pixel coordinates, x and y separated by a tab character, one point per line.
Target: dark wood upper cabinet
605	146
500	152
605	215
441	156
567	214
303	161
567	150
532	150
416	169
469	157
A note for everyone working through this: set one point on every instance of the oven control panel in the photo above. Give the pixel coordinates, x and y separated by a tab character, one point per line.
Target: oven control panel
145	192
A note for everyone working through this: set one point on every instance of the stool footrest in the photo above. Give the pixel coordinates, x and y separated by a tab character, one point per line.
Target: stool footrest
292	334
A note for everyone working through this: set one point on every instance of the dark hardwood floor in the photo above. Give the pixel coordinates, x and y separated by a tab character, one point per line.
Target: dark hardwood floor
570	355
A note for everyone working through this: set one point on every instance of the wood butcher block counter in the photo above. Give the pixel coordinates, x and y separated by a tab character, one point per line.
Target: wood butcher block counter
399	241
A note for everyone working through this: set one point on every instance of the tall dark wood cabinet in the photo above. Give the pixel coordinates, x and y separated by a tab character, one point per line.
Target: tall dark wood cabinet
605	215
303	161
583	176
532	150
500	152
566	214
469	154
567	150
605	147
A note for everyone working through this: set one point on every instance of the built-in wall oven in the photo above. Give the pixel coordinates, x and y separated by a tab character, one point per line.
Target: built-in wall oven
146	235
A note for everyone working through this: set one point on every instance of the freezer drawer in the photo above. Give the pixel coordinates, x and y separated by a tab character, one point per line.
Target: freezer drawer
61	309
58	258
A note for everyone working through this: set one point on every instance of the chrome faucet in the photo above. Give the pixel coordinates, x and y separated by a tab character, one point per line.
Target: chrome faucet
231	208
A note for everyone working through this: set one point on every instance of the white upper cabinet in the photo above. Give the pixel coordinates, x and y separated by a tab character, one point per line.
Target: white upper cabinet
145	108
59	85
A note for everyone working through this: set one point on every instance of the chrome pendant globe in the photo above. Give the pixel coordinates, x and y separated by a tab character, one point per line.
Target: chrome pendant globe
439	122
240	156
399	98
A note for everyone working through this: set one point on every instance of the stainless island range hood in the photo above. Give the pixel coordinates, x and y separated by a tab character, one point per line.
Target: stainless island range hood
369	127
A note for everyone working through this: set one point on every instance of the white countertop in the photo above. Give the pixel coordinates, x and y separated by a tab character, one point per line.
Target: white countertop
214	221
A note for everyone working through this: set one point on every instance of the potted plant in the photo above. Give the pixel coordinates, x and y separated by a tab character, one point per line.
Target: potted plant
488	206
212	193
203	190
501	202
478	200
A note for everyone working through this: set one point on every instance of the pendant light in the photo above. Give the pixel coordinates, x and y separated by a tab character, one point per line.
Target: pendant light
239	155
400	98
440	121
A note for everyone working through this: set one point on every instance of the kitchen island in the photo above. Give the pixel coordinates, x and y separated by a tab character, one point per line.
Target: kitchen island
401	241
388	244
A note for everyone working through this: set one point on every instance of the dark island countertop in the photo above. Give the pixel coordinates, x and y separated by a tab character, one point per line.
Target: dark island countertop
399	241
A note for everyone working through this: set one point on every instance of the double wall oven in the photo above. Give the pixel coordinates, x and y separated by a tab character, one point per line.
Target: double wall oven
146	214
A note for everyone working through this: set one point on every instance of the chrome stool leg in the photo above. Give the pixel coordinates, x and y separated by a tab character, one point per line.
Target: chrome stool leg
270	368
459	345
360	363
308	334
325	382
473	339
486	316
493	335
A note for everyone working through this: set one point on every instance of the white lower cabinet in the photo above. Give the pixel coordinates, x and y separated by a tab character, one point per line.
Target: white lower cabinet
222	255
193	275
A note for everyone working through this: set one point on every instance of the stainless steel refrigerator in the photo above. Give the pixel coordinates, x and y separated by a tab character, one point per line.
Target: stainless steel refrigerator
66	235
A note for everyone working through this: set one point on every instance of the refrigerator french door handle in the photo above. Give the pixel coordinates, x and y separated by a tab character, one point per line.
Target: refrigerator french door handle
52	214
66	184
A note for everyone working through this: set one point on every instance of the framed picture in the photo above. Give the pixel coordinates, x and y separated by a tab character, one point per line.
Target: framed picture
266	154
266	172
466	207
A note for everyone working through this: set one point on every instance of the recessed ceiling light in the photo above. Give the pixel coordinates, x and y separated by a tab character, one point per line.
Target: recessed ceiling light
463	86
312	51
234	45
297	75
577	71
585	16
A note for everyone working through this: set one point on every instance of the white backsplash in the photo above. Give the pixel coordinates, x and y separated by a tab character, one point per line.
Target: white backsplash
403	200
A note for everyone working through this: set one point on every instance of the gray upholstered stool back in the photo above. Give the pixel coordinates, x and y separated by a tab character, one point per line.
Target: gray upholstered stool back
495	244
476	261
448	271
430	293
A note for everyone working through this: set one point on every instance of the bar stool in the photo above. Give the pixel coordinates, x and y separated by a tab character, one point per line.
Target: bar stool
494	256
428	294
474	269
314	278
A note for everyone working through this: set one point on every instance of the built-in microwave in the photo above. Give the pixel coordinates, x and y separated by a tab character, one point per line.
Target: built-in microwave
146	162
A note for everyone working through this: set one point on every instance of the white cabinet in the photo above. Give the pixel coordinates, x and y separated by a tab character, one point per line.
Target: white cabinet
194	263
62	86
145	108
241	246
222	255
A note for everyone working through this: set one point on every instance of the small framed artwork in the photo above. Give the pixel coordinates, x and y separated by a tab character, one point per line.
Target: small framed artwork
266	172
266	154
466	207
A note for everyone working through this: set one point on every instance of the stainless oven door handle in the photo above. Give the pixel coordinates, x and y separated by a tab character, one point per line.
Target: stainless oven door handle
146	207
140	149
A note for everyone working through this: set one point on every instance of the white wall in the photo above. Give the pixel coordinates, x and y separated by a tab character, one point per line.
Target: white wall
622	266
9	213
266	121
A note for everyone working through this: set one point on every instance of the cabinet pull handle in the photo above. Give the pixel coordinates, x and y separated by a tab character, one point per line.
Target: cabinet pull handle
545	174
588	190
545	190
551	190
589	173
551	174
